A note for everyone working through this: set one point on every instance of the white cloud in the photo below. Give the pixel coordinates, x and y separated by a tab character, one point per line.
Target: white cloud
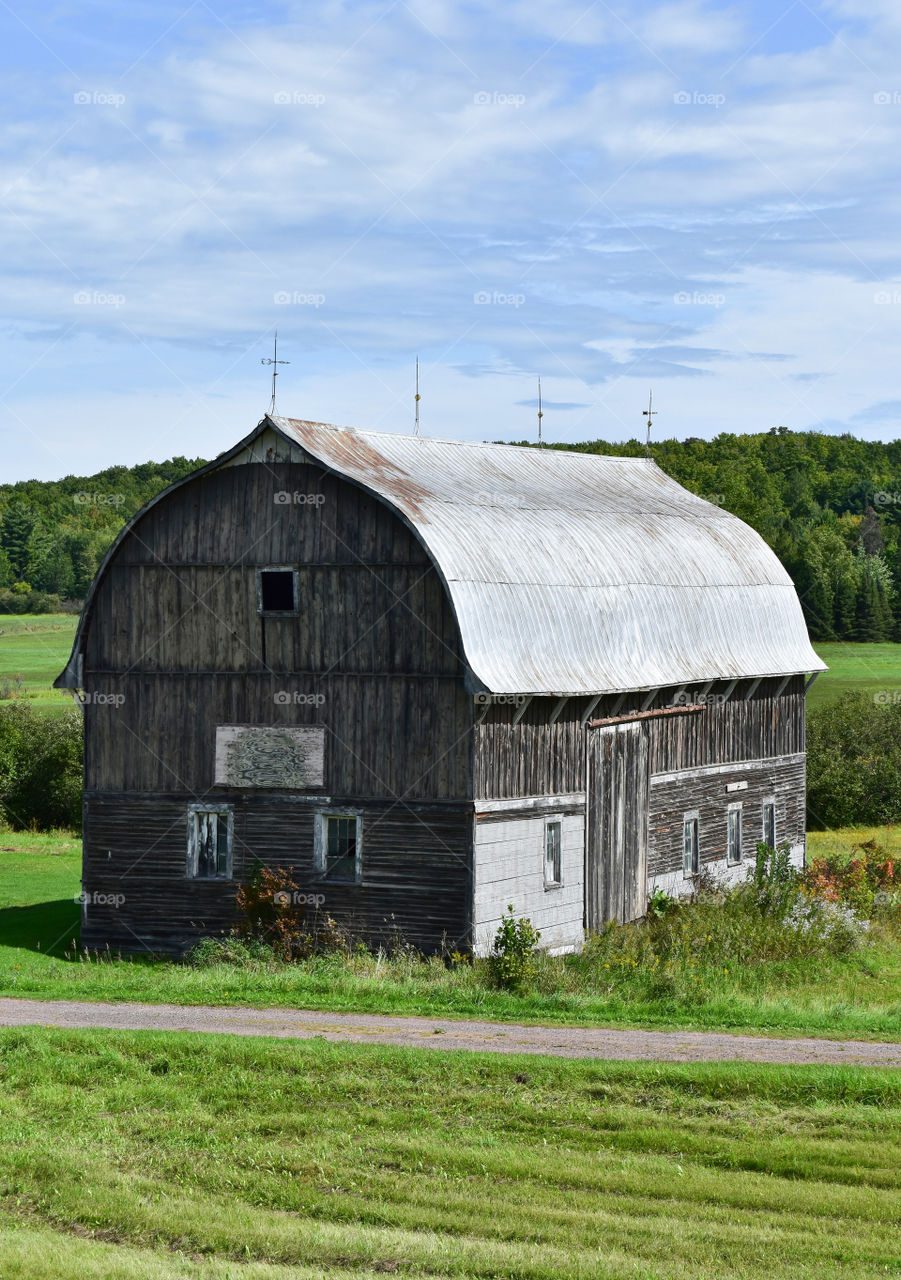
429	153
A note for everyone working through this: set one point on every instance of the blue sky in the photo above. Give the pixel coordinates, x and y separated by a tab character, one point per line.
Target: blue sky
699	198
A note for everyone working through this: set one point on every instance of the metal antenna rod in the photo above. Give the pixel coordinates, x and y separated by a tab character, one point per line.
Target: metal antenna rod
649	413
416	400
275	362
540	414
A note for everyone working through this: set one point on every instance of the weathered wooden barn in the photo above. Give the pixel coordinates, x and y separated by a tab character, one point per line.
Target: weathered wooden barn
434	678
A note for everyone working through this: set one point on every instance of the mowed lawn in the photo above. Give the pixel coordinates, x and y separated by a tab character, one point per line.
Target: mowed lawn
34	648
863	668
171	1155
857	995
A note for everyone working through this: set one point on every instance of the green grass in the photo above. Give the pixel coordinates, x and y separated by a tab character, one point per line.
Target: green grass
853	995
864	668
35	648
843	841
151	1154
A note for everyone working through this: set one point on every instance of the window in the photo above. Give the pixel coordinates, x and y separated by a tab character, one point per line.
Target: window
277	591
733	848
769	823
210	835
553	866
339	846
691	852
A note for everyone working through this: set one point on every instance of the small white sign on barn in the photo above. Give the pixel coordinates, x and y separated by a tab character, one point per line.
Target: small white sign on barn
286	757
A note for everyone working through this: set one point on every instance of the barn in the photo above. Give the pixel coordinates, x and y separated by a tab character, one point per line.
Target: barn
435	678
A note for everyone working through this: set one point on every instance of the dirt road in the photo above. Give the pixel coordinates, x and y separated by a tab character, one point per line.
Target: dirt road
440	1033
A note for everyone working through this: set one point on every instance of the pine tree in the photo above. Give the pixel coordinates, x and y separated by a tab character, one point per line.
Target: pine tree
16	528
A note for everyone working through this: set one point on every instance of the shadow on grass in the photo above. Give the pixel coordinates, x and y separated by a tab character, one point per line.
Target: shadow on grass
48	927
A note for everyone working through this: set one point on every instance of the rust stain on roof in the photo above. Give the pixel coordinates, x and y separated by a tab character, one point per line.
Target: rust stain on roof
351	450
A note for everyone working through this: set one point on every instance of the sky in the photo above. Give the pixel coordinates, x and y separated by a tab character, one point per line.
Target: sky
699	199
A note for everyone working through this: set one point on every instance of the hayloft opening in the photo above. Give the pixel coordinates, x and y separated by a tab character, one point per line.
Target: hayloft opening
277	591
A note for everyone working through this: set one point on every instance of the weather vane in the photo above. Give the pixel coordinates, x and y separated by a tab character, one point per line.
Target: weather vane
416	400
649	413
275	362
540	414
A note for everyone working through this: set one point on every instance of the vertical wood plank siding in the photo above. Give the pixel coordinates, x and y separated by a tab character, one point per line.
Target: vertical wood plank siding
536	757
176	645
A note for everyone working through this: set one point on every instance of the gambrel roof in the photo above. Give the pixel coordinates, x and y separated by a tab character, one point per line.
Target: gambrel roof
569	573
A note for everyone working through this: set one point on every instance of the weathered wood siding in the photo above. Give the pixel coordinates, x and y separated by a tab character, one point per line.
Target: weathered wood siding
707	791
415	885
373	655
535	757
176	647
617	835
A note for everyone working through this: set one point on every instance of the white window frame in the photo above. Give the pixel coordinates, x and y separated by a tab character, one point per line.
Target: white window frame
692	818
735	809
320	843
765	803
558	882
295	586
195	812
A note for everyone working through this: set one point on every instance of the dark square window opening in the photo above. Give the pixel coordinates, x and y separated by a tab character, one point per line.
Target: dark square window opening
277	593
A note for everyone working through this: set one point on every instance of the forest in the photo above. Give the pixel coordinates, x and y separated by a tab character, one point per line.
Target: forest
828	505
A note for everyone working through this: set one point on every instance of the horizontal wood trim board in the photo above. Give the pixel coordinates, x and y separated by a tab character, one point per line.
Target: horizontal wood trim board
630	717
707	770
260	798
267	673
509	815
490	804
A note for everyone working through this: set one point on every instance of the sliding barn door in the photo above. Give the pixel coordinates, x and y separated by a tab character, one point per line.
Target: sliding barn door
616	879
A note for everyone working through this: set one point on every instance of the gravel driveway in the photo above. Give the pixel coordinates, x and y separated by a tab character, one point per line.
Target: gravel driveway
442	1034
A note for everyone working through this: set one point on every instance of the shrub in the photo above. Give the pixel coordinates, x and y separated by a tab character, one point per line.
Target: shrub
242	953
514	954
40	768
659	902
865	879
28	600
854	763
775	879
273	912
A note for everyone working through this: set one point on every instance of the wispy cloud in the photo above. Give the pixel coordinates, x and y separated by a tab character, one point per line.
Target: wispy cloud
603	194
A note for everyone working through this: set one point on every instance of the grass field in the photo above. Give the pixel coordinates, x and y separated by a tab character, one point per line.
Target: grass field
864	668
853	995
164	1155
35	648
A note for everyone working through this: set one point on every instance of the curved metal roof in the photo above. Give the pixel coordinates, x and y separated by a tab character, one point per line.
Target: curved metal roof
569	573
579	573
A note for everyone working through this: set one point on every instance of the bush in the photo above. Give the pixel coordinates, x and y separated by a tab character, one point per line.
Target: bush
29	601
775	880
274	913
865	880
514	954
854	763
241	953
40	768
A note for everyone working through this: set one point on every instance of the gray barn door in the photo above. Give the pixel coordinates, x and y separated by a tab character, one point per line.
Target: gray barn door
616	874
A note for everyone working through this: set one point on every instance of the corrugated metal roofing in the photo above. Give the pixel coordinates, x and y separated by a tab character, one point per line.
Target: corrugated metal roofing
579	573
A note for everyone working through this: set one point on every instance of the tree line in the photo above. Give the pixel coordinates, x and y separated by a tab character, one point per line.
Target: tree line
828	505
